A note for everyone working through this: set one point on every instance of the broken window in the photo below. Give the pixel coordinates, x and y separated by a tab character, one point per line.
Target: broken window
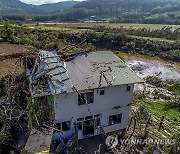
66	126
128	88
86	98
115	119
102	92
81	99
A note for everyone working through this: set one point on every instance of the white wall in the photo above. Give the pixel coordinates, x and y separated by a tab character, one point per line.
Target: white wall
67	108
124	121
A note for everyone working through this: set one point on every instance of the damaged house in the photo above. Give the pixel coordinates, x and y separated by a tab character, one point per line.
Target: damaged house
88	93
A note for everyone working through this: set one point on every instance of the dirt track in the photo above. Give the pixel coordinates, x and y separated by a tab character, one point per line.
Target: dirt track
11	65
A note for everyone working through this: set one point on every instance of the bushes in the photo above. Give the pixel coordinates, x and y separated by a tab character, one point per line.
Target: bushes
102	38
8	32
156	81
37	111
171	85
34	112
142	112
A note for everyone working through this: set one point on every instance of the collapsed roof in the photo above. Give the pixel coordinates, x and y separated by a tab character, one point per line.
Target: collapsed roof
82	71
49	75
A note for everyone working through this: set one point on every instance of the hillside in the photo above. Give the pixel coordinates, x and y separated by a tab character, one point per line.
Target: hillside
14	8
146	11
9	7
115	11
57	6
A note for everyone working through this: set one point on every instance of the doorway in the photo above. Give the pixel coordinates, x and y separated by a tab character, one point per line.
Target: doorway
88	128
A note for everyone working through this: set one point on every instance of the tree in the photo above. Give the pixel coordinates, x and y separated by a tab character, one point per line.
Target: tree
8	32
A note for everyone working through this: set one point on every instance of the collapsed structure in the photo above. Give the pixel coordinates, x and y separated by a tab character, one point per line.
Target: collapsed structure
88	93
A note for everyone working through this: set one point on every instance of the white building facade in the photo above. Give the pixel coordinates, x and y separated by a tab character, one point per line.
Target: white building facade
109	110
91	94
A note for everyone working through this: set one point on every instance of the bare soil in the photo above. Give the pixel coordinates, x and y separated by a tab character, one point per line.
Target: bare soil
11	66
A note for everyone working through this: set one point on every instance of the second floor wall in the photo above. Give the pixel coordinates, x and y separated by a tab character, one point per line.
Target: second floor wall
67	106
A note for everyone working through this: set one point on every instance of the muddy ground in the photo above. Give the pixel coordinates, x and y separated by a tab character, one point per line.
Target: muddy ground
11	65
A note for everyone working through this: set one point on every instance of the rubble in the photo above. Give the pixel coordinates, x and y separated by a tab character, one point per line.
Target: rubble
49	75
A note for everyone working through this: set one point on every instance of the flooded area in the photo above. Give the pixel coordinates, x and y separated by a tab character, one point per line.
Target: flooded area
146	65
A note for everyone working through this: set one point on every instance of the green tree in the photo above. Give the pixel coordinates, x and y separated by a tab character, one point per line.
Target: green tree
8	32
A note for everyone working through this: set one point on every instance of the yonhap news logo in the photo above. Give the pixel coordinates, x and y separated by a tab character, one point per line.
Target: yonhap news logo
112	142
147	141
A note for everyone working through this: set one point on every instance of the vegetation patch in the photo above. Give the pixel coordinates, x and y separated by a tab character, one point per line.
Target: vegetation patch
97	38
170	110
171	85
37	112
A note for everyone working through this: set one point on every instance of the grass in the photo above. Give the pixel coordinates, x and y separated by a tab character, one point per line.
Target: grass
53	28
159	109
153	39
174	87
112	25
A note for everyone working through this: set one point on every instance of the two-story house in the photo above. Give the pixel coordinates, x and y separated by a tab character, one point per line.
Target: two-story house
87	92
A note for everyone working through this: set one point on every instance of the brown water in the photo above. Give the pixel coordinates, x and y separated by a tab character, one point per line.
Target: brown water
146	65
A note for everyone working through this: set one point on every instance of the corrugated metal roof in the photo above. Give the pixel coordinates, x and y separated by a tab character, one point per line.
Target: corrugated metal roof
85	71
50	75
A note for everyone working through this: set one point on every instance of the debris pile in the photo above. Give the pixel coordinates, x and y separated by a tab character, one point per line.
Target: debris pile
49	75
